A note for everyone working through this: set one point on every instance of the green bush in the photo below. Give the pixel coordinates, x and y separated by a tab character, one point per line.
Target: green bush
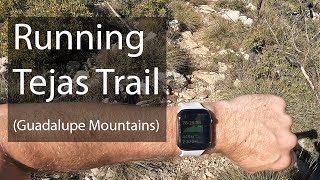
142	8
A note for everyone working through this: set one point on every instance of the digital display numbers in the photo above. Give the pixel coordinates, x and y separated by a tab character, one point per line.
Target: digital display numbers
194	128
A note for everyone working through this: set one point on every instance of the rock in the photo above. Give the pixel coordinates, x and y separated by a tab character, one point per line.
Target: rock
78	74
248	22
237	83
251	7
206	9
90	62
209	174
106	101
188	42
3	62
235	16
223	52
73	66
97	173
188	95
231	15
204	94
246	57
150	36
200	51
205	162
211	79
174	25
176	80
187	35
186	160
222	67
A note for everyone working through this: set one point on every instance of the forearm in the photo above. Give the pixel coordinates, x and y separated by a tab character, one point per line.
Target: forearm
83	155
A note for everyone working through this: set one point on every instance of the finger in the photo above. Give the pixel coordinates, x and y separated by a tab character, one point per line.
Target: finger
286	140
285	162
287	121
281	102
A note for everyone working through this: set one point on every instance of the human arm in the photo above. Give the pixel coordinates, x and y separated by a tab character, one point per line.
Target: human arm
253	131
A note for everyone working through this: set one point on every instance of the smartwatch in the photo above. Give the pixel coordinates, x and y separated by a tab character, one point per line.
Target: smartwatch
194	129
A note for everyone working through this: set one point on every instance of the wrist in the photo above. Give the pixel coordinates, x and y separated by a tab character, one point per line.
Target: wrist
172	131
219	126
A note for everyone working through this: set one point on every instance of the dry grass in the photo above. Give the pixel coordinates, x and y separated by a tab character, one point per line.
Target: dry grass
236	173
177	59
198	2
239	5
190	19
224	33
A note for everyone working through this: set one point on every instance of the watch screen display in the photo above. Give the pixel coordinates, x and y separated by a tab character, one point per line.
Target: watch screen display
194	127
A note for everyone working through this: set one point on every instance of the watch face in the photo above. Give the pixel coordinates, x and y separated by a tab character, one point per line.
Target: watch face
194	129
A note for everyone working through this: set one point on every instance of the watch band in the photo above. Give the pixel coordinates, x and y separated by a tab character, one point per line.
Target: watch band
192	105
191	153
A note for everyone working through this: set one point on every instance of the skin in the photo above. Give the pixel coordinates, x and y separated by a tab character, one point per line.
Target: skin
254	131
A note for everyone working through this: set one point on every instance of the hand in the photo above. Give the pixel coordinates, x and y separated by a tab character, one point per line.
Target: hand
254	131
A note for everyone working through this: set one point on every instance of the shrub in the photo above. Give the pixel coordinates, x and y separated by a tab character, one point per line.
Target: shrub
189	18
224	33
153	8
238	5
177	59
198	2
142	8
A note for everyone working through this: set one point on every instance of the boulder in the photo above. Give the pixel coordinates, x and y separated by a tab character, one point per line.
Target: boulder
176	80
210	79
188	94
3	62
206	9
251	7
235	16
231	15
